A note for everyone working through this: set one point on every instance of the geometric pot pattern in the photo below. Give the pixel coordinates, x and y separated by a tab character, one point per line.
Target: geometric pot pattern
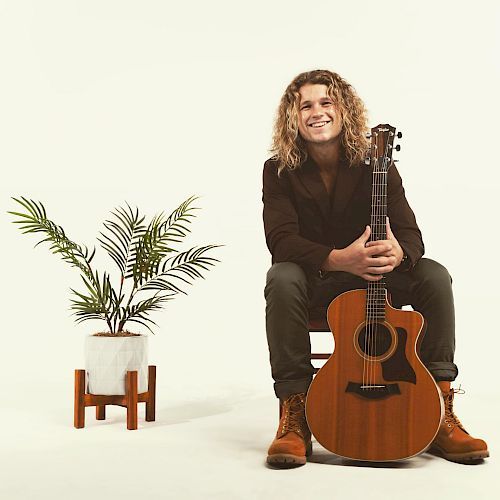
107	360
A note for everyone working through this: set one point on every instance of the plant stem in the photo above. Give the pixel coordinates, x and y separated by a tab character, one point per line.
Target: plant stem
103	305
122	279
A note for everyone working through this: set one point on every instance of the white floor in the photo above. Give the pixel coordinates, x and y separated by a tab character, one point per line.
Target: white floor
212	447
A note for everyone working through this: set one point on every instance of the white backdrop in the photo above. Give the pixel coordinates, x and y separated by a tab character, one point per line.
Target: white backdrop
151	102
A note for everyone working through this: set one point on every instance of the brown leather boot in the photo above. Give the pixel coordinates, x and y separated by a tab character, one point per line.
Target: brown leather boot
292	443
453	442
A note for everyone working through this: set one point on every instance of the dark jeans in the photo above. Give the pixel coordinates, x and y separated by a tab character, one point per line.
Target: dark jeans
290	294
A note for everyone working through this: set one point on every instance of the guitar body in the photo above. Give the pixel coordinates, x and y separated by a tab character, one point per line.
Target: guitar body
379	406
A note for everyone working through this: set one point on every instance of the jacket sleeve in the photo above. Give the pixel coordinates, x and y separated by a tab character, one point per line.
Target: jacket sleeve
402	220
281	225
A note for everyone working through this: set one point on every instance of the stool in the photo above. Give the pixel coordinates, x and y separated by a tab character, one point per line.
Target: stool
318	323
128	400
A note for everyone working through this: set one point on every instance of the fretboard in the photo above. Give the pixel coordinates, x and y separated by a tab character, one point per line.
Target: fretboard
376	292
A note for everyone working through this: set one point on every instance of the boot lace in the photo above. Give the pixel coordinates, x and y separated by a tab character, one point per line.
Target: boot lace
450	419
294	418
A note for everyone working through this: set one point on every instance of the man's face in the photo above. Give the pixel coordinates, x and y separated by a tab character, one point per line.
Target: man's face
319	121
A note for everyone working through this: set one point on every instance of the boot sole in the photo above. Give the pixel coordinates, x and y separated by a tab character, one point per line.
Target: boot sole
470	457
287	461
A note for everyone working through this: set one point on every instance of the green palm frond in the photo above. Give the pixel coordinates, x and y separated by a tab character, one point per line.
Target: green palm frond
35	221
153	247
101	301
125	233
138	313
185	267
174	225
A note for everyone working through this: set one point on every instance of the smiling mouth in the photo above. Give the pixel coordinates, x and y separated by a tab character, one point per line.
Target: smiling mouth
319	124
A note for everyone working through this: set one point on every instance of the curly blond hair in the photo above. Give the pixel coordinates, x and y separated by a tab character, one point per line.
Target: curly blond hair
288	146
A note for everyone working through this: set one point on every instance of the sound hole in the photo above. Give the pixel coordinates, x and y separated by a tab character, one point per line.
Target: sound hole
374	339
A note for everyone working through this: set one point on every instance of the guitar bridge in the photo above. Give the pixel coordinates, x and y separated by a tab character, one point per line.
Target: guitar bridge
373	391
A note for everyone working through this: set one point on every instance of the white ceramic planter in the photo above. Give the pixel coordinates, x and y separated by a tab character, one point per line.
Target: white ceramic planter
107	360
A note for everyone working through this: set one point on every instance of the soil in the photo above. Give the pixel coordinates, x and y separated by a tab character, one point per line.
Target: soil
117	334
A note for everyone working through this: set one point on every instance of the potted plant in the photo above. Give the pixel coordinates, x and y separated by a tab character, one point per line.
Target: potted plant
148	265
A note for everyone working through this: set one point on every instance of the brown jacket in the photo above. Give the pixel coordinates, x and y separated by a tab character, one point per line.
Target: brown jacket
303	224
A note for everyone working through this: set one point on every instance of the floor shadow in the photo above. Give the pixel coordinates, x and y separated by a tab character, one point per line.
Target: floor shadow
324	457
178	413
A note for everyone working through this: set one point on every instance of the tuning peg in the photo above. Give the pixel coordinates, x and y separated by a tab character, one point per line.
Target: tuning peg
397	147
367	161
368	135
399	135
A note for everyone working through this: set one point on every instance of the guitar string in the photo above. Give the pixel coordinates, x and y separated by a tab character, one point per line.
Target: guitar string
366	306
384	189
366	365
368	325
374	284
370	288
371	284
382	234
375	301
377	285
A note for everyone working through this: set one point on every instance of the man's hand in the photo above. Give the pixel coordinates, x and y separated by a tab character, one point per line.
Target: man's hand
368	259
395	250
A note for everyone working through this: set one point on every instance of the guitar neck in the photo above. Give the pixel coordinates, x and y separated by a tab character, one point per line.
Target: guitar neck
381	157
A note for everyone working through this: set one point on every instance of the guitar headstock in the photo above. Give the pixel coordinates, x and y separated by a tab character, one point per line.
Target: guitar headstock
382	144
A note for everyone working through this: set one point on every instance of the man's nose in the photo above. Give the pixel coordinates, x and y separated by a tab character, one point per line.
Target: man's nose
316	110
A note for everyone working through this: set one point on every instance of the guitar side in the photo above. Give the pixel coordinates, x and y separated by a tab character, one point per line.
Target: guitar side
396	420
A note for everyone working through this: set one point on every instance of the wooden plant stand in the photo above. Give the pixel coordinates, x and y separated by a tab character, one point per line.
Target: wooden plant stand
129	400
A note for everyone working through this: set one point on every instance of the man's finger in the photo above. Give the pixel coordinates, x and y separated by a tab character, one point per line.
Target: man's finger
378	249
372	277
365	236
389	253
380	270
380	261
390	234
379	242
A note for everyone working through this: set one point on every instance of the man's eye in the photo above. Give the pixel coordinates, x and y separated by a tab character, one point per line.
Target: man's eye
305	107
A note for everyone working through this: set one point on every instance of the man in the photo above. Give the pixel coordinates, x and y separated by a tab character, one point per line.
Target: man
317	201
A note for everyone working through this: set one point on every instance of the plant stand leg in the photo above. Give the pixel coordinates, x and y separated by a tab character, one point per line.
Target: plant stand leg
131	397
100	412
151	402
79	414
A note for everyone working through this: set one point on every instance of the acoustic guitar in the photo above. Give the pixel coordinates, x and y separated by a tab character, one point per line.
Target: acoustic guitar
374	399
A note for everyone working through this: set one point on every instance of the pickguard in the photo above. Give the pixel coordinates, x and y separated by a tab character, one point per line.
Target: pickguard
397	366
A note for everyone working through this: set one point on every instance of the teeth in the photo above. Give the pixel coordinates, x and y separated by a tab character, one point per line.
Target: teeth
318	124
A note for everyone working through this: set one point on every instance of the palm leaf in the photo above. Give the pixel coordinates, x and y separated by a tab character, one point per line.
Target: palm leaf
124	232
155	244
184	267
35	221
98	303
139	312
